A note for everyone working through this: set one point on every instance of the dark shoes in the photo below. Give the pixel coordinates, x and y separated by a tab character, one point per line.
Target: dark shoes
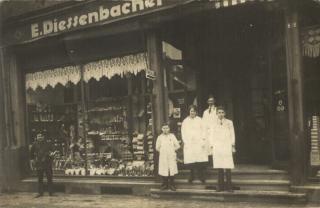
163	187
219	189
38	196
173	187
228	189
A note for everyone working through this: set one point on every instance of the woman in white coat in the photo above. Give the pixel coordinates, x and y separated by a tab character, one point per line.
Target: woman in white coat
195	145
167	145
222	143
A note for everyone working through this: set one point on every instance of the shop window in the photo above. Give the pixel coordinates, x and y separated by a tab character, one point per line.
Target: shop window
69	92
108	86
112	135
120	140
56	120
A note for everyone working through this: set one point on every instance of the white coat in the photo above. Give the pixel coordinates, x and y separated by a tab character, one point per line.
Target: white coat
209	118
222	139
195	145
167	145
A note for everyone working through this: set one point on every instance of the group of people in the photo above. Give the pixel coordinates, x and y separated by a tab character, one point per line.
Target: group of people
209	136
203	138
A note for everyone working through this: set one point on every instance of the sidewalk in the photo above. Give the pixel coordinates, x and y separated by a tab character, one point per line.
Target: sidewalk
27	200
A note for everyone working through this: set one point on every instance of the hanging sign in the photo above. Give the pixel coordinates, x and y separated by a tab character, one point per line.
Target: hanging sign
150	74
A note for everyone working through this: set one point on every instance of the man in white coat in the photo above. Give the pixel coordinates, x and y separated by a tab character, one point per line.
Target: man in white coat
209	118
194	148
222	143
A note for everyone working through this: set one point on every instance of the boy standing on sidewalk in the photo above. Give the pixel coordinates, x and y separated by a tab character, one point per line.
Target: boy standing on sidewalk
167	145
222	143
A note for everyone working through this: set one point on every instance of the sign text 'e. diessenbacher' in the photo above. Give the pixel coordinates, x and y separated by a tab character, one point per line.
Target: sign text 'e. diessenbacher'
100	13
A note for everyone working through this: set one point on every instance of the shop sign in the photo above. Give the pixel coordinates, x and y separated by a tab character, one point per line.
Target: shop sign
150	74
82	16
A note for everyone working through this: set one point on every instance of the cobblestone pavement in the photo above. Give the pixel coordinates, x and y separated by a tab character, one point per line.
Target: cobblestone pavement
27	200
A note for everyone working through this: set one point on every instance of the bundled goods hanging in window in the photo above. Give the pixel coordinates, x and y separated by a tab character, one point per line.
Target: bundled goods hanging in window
138	147
314	133
150	146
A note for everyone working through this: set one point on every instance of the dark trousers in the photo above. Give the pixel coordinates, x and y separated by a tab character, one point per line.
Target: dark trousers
198	168
40	173
168	182
224	184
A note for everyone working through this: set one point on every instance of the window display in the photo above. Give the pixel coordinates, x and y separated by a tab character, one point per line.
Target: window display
119	133
58	124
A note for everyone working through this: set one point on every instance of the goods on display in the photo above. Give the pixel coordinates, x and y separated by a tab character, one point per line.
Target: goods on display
314	134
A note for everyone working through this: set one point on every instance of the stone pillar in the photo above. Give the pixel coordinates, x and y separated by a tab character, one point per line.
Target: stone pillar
295	95
154	50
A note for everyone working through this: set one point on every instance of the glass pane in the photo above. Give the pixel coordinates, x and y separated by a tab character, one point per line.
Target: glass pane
58	121
120	140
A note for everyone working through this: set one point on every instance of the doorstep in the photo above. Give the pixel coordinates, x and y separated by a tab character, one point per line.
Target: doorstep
311	189
96	185
236	196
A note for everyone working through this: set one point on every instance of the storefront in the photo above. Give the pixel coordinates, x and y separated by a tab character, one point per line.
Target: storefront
310	44
99	79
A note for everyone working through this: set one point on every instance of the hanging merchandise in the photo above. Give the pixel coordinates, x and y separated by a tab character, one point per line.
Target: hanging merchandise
311	42
61	75
115	66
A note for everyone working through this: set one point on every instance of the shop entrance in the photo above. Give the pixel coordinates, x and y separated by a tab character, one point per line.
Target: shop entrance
235	61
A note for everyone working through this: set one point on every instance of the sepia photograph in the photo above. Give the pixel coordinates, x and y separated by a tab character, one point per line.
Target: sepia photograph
159	103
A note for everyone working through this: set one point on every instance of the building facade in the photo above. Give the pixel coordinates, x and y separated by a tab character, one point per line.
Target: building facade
99	79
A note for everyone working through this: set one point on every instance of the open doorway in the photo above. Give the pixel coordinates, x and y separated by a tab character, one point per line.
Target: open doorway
240	62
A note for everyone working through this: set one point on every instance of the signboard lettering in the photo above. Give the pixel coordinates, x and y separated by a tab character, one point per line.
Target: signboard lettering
81	16
101	13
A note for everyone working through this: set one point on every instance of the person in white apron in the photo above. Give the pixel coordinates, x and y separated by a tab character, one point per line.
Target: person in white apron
222	143
167	145
209	118
194	149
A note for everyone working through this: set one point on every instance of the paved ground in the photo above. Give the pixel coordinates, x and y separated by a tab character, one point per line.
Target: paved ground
27	200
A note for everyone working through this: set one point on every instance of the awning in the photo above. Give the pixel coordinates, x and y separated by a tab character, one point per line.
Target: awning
311	42
95	70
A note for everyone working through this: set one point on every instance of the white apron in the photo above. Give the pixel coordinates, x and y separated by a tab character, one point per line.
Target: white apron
209	118
195	145
167	145
222	139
